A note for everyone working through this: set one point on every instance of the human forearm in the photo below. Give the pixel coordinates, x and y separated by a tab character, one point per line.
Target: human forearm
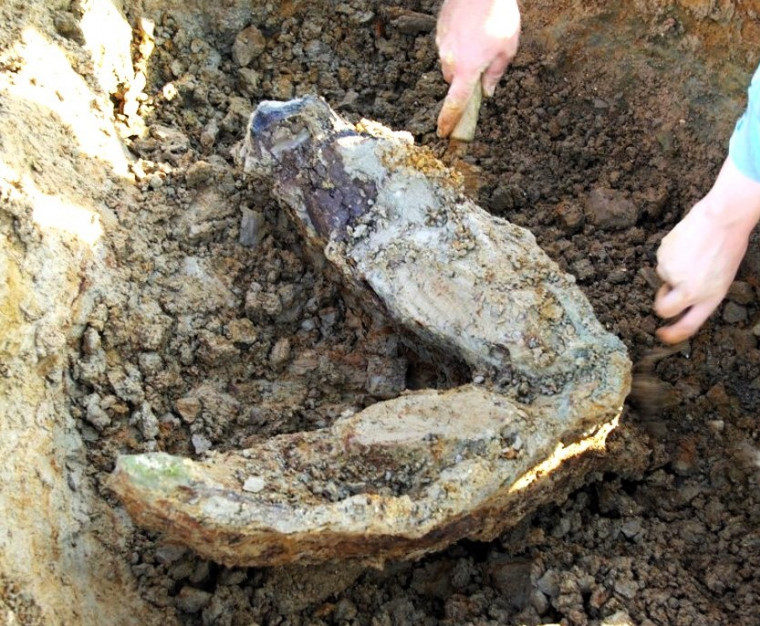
699	258
734	199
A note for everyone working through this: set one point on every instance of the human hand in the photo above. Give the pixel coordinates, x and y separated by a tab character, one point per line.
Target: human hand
699	258
476	39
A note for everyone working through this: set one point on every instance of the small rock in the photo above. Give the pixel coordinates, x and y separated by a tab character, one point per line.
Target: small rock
280	354
609	209
741	293
151	363
177	68
127	383
91	369
147	421
241	331
95	415
214	349
621	618
249	80
68	26
349	100
258	301
200	572
345	610
249	44
744	342
462	574
90	341
199	173
599	597
386	378
412	22
188	408
282	87
182	569
717	426
539	602
201	443
209	134
718	396
548	584
155	181
232	576
171	140
254	484
616	277
649	274
512	579
631	528
734	313
570	216
170	553
252	228
238	111
192	600
685	458
719	578
654	200
756	329
502	199
583	269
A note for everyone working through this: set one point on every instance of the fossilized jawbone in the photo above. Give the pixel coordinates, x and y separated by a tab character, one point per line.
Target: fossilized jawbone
418	472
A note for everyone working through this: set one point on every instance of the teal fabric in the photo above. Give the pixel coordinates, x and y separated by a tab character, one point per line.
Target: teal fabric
744	148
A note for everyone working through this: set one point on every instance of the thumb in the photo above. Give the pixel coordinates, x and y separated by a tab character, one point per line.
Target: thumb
671	301
688	325
493	74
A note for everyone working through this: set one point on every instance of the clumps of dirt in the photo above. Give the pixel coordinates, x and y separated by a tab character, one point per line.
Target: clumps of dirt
17	606
218	329
225	330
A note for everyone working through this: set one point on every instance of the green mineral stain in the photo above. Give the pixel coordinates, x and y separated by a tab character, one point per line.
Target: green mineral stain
156	471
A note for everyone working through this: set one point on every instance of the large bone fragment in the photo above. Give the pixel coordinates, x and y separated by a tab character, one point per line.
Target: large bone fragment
416	473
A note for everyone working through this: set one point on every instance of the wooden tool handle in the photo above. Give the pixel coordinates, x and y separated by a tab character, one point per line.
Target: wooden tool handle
465	128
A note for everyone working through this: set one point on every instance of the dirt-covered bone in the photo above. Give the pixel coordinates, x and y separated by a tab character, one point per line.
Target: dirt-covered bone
415	473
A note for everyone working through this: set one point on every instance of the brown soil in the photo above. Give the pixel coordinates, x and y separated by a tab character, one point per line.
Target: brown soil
220	329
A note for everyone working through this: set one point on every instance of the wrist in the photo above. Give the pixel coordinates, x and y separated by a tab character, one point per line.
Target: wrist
734	200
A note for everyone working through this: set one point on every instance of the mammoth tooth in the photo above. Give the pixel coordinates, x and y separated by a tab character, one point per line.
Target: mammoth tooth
415	473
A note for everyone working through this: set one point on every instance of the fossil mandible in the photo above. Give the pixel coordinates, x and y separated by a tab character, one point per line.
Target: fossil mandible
465	462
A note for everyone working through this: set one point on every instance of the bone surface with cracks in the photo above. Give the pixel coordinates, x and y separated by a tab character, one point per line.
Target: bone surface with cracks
415	473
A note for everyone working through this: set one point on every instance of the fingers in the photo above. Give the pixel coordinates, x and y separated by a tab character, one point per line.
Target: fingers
456	101
688	325
494	72
463	86
447	66
671	301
